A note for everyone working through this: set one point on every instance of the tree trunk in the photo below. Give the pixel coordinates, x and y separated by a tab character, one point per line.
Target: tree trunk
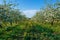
52	22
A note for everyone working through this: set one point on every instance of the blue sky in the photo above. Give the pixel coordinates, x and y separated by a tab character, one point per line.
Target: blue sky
28	7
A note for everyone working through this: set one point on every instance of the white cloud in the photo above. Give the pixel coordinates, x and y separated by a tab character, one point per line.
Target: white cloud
29	13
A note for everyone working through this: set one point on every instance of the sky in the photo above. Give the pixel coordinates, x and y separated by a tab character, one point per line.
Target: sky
28	7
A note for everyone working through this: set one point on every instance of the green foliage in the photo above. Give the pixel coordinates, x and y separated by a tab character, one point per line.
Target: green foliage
36	32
